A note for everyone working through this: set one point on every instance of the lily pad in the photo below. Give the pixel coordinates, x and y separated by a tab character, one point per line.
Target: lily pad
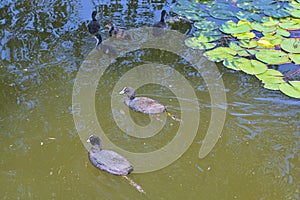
295	58
252	66
271	79
282	32
239	50
230	27
291	88
219	54
196	44
263	28
289	24
231	63
272	57
206	25
277	13
248	43
295	13
249	16
245	36
291	45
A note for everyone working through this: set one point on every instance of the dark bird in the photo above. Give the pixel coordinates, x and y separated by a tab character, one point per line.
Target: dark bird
116	32
107	160
110	161
94	25
144	104
160	26
107	49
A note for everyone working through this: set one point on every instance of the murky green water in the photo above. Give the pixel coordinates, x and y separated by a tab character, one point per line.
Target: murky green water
42	156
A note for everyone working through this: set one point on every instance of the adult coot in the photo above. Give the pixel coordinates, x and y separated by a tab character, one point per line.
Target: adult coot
94	25
110	161
160	26
116	32
107	160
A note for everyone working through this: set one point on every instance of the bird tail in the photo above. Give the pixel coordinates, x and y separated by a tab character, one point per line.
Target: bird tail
174	117
134	184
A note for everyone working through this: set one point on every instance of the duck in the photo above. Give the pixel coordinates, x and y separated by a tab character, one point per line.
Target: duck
110	161
116	32
142	104
94	25
160	26
107	49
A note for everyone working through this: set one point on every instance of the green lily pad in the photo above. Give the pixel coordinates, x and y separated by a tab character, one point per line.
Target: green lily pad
292	88
291	45
230	27
295	58
272	57
269	41
219	54
282	32
295	5
248	43
231	63
207	33
244	36
249	16
263	28
295	13
289	24
195	43
206	25
252	66
271	79
221	14
269	73
277	13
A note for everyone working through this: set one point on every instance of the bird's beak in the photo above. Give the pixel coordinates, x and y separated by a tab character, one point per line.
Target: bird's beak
122	92
88	140
107	26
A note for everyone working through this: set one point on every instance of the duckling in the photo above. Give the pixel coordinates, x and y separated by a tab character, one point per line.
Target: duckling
94	25
116	32
160	26
107	49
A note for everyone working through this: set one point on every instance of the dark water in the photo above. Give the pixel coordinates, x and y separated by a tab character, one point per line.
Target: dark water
44	44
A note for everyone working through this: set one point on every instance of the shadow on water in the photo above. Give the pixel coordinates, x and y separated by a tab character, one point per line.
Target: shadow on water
42	47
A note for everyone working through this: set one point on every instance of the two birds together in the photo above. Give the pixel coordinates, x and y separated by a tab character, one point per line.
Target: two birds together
94	29
111	161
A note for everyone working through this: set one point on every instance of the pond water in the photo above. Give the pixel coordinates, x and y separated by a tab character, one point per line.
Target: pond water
45	45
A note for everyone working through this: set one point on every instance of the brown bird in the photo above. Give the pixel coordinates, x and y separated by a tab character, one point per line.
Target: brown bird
116	32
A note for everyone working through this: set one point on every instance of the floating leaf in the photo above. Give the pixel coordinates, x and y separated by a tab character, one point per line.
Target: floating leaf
251	66
277	13
295	58
291	45
196	44
207	33
230	27
248	43
249	16
245	36
291	88
289	24
231	63
269	41
282	32
263	28
206	25
271	79
220	53
272	57
222	10
295	13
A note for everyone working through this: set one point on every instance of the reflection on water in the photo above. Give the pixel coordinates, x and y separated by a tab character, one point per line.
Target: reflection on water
42	47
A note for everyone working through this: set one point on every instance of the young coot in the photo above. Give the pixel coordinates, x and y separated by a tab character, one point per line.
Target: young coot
116	32
142	104
107	49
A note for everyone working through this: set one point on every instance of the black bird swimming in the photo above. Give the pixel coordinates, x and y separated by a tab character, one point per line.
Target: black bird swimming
116	32
160	26
94	25
110	161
